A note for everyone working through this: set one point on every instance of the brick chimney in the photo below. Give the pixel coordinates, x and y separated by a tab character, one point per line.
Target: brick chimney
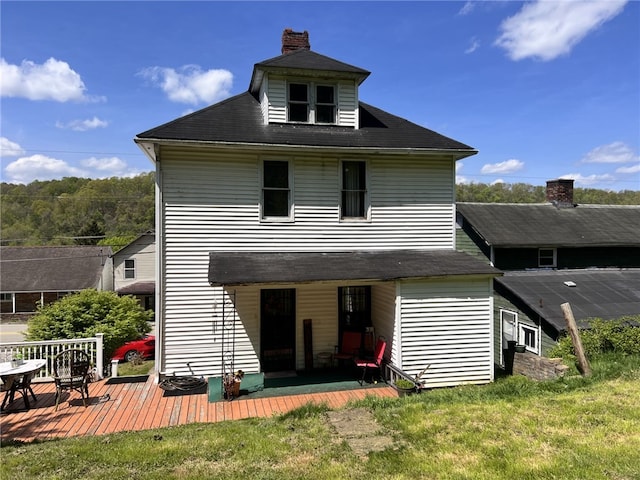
292	41
560	192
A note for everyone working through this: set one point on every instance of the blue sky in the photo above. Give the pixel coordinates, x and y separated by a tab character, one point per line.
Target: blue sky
543	89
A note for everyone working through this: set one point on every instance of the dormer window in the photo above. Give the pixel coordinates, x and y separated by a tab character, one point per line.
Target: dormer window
310	103
325	104
298	102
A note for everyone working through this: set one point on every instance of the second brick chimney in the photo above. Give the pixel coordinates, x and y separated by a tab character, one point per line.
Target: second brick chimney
292	41
560	192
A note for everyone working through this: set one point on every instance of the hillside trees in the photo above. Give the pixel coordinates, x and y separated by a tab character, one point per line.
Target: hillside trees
58	212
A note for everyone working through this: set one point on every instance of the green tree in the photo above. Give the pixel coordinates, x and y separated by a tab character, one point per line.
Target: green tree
88	312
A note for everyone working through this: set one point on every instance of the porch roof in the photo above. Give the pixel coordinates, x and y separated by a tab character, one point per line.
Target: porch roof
244	268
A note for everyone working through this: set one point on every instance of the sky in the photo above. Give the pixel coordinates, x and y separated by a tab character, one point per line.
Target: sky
542	89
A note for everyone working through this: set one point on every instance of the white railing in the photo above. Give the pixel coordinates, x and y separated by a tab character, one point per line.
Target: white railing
47	349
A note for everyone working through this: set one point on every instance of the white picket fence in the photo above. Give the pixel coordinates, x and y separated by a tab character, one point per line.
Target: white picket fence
94	346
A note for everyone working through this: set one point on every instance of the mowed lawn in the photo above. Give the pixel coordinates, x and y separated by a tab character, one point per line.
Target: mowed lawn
513	429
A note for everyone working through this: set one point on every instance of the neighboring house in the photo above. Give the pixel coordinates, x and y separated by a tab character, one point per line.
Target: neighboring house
30	276
293	212
134	270
554	253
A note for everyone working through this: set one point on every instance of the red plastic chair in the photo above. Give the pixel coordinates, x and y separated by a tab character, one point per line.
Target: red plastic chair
350	347
372	364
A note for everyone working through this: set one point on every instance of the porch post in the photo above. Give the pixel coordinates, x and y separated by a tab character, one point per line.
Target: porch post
100	354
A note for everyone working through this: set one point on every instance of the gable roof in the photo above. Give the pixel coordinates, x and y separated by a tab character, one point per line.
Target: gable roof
598	293
245	268
51	269
238	120
534	225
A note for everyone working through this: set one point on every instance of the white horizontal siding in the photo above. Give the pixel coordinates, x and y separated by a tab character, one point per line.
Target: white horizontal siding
143	254
348	105
210	203
446	324
277	100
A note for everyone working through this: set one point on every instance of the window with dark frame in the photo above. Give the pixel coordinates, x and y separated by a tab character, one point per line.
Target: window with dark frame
547	257
354	189
276	195
298	102
130	268
325	107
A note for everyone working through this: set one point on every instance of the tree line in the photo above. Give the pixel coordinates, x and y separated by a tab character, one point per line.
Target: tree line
114	211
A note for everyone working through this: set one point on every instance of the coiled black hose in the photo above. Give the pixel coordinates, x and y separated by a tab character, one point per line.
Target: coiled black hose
182	383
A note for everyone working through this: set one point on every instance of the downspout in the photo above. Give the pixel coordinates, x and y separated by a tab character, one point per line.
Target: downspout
159	273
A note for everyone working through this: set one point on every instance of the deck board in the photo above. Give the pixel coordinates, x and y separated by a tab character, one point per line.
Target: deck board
122	407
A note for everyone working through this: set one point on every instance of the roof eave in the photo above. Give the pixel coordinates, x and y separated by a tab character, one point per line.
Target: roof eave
149	147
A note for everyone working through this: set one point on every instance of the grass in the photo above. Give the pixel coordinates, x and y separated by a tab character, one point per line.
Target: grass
573	428
133	368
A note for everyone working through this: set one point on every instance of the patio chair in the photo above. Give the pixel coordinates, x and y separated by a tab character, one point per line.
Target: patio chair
374	363
22	385
71	371
350	347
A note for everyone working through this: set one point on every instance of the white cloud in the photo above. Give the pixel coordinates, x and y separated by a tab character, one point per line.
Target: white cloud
467	8
190	84
113	165
508	166
547	29
497	180
52	80
616	152
589	180
40	167
474	45
83	125
9	148
627	170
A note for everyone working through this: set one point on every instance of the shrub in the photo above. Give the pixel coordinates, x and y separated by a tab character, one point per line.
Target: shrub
88	312
618	336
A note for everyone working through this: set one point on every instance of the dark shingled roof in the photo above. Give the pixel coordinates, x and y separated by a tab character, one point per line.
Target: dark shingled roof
239	120
138	288
309	60
599	293
534	225
244	268
51	269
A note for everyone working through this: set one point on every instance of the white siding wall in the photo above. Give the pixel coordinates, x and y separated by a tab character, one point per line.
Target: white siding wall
143	252
211	203
383	314
347	105
277	96
447	324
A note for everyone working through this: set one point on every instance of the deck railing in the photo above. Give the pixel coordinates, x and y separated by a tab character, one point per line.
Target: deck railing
47	349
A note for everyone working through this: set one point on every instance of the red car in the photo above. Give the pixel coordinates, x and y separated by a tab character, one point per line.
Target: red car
145	347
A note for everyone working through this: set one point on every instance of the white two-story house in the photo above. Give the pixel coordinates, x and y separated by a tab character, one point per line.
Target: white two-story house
294	212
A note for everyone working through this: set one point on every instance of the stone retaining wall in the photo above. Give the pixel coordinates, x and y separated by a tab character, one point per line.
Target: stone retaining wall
538	368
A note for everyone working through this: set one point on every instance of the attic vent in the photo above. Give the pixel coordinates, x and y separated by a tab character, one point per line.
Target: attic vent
569	283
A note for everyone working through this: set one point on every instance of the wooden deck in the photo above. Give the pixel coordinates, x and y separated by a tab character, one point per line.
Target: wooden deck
141	406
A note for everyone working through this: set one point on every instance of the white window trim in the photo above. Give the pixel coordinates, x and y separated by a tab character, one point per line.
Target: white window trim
311	101
367	195
535	330
554	261
289	218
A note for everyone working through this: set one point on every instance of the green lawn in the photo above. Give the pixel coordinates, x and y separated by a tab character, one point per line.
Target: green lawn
513	429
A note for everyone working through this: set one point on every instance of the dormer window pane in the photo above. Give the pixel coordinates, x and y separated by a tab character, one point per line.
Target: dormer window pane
325	104
298	102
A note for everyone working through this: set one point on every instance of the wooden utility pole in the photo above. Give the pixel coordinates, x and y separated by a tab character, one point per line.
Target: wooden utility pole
583	363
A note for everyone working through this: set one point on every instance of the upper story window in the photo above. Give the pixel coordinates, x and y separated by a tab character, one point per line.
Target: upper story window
298	102
310	103
276	191
354	202
547	257
6	297
130	268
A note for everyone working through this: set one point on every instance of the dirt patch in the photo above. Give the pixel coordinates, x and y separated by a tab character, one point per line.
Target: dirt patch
360	430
